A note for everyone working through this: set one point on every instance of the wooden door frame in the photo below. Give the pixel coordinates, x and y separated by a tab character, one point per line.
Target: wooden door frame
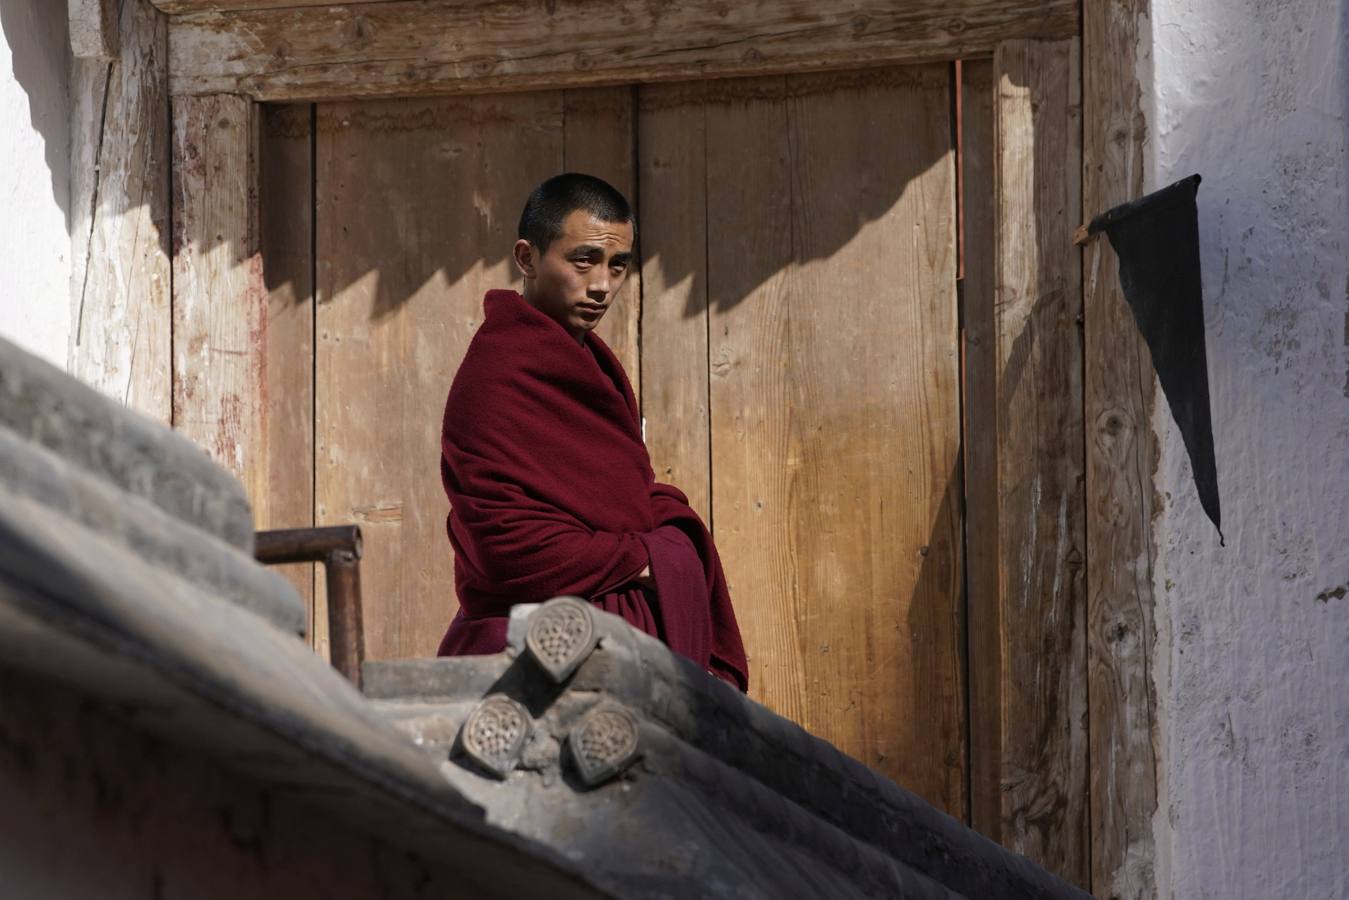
218	69
1024	467
299	50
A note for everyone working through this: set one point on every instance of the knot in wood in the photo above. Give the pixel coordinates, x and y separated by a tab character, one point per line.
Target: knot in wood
1113	422
361	31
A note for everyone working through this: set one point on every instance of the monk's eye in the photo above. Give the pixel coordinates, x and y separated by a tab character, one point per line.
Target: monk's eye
582	262
618	267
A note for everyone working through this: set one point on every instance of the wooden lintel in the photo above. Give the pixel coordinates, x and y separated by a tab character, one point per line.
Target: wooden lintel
93	28
419	47
175	7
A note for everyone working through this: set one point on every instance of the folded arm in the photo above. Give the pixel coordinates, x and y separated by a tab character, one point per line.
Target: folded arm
530	552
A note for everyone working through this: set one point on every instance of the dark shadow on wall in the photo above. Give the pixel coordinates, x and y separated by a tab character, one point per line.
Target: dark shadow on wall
418	194
39	48
936	620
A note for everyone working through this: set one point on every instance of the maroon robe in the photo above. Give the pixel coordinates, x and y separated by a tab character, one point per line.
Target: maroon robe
551	492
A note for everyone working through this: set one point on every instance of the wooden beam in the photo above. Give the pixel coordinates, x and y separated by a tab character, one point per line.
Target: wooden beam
177	7
417	47
1041	697
1121	460
119	220
93	29
220	301
984	611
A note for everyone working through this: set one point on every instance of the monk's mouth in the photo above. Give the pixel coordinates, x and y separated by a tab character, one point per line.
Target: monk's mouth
592	310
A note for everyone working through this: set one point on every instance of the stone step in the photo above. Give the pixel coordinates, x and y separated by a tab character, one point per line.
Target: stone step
42	404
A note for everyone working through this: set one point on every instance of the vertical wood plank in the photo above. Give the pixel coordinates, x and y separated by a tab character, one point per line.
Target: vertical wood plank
1121	461
875	233
598	140
418	203
984	616
672	154
220	390
287	217
749	255
836	486
1042	540
120	241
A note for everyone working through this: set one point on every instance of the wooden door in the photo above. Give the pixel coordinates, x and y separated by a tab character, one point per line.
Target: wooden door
792	334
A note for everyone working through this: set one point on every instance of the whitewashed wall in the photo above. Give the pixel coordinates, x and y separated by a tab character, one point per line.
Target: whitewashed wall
35	177
1252	666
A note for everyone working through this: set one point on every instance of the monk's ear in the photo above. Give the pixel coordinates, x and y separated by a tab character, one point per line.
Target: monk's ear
524	257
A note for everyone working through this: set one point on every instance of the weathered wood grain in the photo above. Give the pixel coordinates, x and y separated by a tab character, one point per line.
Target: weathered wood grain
221	388
749	255
1121	460
599	128
1041	538
672	150
188	6
875	229
836	484
93	29
438	46
286	210
418	203
119	217
984	618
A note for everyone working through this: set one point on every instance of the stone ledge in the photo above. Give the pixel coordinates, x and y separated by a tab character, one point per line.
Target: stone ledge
189	666
716	770
146	530
44	405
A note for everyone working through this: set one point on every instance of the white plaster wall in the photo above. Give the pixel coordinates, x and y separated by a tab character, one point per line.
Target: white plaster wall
1252	663
34	177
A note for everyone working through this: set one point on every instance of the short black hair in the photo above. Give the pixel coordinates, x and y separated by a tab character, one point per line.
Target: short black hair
551	202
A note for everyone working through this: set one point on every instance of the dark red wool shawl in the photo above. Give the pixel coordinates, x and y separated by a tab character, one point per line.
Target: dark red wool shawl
551	492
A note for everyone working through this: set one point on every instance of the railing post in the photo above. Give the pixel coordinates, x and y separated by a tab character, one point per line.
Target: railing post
339	549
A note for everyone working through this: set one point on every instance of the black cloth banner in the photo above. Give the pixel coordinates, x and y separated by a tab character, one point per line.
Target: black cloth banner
1157	240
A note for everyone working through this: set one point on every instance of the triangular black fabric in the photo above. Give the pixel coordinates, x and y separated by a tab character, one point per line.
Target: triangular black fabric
1157	240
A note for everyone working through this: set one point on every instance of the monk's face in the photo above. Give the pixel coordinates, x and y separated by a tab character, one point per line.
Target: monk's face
577	278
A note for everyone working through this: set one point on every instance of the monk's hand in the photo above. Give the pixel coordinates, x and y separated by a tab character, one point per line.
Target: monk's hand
645	578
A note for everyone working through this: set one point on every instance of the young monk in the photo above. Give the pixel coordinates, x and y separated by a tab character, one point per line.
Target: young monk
550	486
